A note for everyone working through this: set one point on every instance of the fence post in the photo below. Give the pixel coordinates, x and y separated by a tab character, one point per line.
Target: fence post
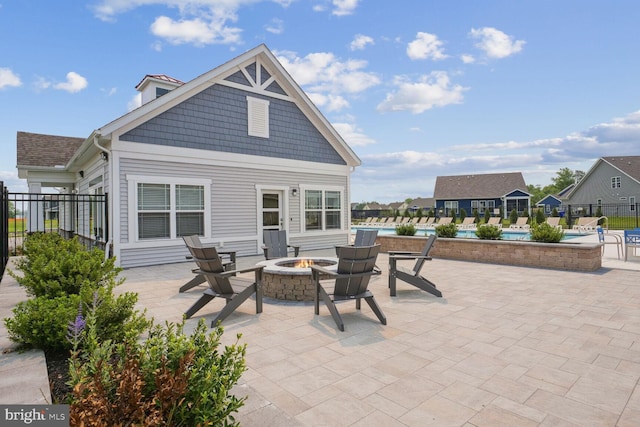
4	228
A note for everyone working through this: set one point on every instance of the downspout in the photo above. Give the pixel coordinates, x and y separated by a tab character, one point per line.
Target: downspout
105	157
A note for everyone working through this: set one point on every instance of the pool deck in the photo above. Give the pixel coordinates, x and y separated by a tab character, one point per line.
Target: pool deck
504	346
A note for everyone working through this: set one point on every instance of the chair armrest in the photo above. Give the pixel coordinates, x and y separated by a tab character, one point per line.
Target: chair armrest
231	272
322	270
232	254
296	249
393	253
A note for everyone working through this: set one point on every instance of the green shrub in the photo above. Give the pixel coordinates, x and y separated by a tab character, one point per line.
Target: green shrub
476	215
554	212
540	218
487	215
63	276
406	230
513	216
446	230
54	266
546	233
169	379
42	322
489	232
463	214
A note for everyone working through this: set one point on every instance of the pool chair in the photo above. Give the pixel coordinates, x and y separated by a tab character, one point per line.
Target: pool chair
222	283
617	240
554	221
228	262
585	224
355	267
412	276
520	224
495	221
444	221
467	223
425	222
631	241
276	246
363	238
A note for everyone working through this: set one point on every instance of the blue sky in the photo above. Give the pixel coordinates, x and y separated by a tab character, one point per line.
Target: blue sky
418	88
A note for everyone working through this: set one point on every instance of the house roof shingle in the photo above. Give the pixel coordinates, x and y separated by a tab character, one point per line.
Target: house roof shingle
34	149
627	164
488	186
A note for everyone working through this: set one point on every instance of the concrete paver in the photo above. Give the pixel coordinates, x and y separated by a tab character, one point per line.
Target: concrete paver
504	346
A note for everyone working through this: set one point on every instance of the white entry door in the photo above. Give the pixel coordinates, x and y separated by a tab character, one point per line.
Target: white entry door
272	212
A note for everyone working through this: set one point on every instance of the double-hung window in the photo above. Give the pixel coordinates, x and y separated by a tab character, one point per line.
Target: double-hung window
322	209
168	210
616	182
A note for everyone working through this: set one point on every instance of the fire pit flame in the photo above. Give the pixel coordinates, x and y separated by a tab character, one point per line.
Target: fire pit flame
303	263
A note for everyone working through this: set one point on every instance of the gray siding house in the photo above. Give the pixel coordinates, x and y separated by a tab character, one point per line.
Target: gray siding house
235	151
611	180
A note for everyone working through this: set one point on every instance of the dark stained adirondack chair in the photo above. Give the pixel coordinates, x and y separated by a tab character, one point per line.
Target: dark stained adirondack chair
223	283
275	244
412	276
229	263
363	238
354	270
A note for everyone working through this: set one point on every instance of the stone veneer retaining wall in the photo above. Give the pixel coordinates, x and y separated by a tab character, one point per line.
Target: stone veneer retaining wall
564	256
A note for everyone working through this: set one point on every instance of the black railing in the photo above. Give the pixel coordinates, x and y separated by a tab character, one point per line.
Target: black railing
619	216
70	215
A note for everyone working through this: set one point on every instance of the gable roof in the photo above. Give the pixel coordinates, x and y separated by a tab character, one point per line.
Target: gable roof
39	150
264	57
487	186
629	165
422	202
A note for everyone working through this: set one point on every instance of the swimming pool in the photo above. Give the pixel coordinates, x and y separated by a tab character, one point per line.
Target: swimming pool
507	234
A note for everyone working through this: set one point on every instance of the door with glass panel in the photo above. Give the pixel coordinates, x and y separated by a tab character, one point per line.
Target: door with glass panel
272	216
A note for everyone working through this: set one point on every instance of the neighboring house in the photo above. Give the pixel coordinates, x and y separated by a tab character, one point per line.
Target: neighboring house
549	203
424	203
485	191
235	151
611	180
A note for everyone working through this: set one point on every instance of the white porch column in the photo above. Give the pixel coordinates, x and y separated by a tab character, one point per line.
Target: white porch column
35	215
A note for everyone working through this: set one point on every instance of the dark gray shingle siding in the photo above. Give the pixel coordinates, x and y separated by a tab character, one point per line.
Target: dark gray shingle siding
216	119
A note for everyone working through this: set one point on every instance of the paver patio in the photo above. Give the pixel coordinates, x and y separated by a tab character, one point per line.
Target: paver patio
504	346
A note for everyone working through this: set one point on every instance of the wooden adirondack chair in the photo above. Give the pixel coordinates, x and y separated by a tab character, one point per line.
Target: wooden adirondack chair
412	276
356	265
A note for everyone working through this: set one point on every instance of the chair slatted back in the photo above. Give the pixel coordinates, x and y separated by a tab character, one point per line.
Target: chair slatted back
553	221
494	220
208	261
425	252
355	260
365	238
632	237
276	242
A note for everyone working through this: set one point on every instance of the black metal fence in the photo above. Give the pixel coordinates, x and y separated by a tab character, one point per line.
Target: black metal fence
70	215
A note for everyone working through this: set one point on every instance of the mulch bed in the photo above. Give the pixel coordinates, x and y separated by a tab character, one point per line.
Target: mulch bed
58	369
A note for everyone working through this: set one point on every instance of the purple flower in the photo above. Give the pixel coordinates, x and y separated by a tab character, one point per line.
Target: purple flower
75	328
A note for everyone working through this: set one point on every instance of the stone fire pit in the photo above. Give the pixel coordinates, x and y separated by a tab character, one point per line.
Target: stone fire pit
285	279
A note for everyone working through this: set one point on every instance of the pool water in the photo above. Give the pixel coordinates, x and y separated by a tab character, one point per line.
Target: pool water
507	234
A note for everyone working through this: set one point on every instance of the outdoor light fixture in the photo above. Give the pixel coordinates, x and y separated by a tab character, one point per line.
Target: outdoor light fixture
294	192
81	173
104	156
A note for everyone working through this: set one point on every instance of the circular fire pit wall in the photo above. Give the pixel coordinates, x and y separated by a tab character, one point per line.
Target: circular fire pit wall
290	278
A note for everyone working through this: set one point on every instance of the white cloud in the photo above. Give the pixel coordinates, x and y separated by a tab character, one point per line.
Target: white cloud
495	43
426	46
431	90
353	135
468	59
110	91
75	83
134	102
276	26
344	7
9	79
199	22
360	42
329	102
322	72
195	31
